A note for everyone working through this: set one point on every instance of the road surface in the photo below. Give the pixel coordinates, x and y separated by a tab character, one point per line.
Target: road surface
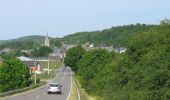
63	76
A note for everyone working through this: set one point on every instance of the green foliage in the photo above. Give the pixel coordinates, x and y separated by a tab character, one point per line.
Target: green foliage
142	73
26	43
18	44
90	67
73	55
42	51
14	75
55	42
115	36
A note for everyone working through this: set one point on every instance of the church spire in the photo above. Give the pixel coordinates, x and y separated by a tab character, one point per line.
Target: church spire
47	43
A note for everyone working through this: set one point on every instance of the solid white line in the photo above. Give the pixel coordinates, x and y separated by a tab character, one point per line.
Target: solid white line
70	89
78	93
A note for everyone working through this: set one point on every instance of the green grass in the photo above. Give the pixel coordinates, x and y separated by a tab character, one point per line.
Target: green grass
74	95
53	66
83	94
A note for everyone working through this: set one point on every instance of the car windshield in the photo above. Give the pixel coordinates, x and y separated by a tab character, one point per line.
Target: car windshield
54	85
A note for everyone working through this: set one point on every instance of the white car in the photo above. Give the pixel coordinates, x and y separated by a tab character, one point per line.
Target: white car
54	88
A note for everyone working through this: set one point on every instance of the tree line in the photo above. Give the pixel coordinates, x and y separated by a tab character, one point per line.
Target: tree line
36	49
142	73
115	36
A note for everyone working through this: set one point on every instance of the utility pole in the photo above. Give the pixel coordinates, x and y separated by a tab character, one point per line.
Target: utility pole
48	66
35	76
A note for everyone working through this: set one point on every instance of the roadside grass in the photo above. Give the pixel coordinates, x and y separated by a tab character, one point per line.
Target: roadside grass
53	65
73	95
83	93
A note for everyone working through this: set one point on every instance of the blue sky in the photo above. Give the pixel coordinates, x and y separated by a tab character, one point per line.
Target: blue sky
62	17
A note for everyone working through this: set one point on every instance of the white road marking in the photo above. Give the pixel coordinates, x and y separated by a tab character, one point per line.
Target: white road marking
56	75
64	76
37	97
78	93
70	89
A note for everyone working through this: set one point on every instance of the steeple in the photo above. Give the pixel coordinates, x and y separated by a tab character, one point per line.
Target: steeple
47	43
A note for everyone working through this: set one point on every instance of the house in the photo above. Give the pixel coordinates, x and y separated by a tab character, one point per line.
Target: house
22	58
68	46
107	48
6	50
120	50
58	54
33	65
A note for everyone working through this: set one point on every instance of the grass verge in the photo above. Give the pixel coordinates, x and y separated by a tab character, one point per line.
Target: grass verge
73	95
83	93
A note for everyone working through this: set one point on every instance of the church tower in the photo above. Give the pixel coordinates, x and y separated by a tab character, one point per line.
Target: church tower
47	42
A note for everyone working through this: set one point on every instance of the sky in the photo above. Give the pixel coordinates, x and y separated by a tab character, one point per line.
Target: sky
62	17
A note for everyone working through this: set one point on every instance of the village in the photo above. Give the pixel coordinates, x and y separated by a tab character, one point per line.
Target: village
44	65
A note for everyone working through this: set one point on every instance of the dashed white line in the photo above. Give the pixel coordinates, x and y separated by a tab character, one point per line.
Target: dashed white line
44	93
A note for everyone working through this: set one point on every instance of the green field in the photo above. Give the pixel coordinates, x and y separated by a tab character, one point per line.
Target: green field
53	65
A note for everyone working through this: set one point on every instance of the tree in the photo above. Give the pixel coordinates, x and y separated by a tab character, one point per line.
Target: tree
13	75
73	55
143	72
90	66
55	42
42	51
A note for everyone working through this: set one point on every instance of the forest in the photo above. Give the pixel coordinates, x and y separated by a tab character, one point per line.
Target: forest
115	36
141	73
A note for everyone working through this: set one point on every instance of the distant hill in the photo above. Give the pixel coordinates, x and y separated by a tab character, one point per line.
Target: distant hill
115	36
27	38
32	37
26	42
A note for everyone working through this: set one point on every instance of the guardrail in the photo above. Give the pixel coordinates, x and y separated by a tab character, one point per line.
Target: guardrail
21	90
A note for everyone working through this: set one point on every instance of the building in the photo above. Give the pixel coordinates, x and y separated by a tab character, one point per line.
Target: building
47	42
58	54
6	50
33	65
22	58
120	50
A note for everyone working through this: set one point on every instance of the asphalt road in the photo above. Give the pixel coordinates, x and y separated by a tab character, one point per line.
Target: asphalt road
63	76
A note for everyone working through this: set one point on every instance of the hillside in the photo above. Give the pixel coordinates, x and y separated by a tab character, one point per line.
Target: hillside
32	38
116	36
27	42
141	73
